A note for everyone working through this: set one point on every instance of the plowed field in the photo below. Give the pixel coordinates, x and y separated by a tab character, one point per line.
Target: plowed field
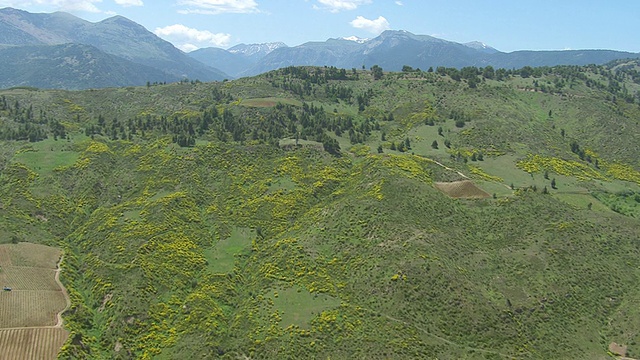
40	343
30	325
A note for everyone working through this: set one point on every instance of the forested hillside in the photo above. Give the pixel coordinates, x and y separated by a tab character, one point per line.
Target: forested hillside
330	213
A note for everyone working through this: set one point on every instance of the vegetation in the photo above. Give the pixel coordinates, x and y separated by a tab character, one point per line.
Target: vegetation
255	218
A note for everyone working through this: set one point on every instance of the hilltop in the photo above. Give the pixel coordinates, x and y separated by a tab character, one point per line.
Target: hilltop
321	212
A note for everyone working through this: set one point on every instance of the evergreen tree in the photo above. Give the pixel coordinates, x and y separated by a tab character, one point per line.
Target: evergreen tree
377	72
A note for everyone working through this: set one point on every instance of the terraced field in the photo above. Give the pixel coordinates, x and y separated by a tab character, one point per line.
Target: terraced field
30	324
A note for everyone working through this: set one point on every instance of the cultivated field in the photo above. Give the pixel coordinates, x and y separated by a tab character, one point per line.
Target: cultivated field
31	255
30	308
40	343
30	327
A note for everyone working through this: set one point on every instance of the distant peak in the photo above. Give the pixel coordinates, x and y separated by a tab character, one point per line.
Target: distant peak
479	45
11	10
396	32
118	19
251	49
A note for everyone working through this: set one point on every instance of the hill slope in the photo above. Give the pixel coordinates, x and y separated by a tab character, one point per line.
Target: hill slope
76	67
295	214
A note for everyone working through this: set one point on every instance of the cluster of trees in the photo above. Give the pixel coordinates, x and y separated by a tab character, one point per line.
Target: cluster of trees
314	75
22	124
582	154
474	75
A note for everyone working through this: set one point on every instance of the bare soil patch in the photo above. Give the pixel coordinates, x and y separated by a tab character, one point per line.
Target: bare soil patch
465	189
618	349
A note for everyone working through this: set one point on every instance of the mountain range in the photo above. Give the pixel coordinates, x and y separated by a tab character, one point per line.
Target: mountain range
129	54
395	48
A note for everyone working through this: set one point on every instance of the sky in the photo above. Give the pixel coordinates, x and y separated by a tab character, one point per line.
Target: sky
506	25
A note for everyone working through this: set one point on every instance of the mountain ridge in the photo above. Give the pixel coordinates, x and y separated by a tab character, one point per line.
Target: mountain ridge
393	49
115	35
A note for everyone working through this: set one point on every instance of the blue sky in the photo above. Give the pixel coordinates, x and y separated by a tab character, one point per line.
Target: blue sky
507	25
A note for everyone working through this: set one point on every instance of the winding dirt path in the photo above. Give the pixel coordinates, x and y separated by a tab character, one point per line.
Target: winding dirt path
67	299
458	172
450	169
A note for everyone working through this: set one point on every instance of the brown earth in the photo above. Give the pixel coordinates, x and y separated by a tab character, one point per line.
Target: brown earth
464	189
618	349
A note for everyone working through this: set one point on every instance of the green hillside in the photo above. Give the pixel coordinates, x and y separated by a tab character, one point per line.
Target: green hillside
303	213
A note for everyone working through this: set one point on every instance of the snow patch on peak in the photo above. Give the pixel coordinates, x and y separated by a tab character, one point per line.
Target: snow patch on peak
355	39
478	45
253	49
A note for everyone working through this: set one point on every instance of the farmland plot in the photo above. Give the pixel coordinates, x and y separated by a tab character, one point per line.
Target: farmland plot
42	343
29	278
33	255
30	308
30	326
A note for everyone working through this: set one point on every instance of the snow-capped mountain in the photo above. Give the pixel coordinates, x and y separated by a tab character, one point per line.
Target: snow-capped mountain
480	46
255	51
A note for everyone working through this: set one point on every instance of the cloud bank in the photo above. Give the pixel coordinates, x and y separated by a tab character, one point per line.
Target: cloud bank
189	39
373	26
340	5
214	7
127	3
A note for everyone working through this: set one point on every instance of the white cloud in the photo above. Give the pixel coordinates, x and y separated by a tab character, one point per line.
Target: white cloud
214	7
127	3
399	3
373	26
339	5
65	5
189	39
